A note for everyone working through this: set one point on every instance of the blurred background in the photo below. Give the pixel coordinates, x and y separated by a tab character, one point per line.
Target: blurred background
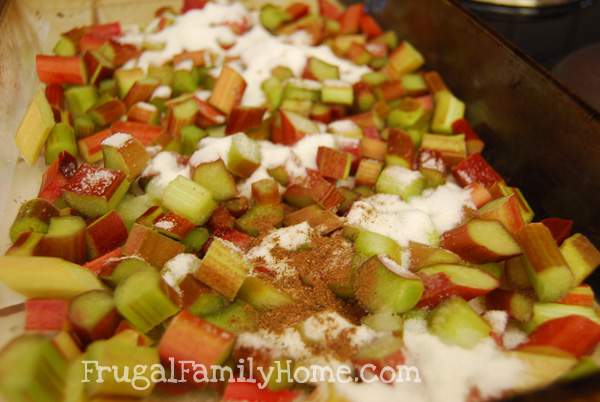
562	35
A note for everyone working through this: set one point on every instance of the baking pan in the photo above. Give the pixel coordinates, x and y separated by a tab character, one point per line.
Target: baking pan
540	136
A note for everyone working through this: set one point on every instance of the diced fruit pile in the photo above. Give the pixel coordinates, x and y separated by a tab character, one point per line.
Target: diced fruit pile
117	271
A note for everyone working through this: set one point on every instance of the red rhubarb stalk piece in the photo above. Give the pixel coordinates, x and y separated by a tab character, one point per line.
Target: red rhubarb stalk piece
46	314
91	147
105	234
350	20
61	69
582	295
560	228
108	30
369	26
147	134
251	392
56	176
331	9
104	265
474	144
297	10
476	169
243	119
193	5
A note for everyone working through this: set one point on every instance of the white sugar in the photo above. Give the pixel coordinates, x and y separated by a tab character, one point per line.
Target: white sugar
186	65
343	126
164	167
146	106
513	337
304	83
117	140
288	344
211	149
402	175
162	91
328	325
497	319
202	94
177	268
398	269
306	149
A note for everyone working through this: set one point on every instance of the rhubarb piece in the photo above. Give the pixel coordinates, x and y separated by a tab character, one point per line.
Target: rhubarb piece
25	245
228	91
544	312
350	20
432	166
384	321
141	301
184	81
147	134
32	369
573	334
84	126
272	17
479	194
414	84
317	69
582	295
105	234
549	273
407	114
34	128
373	148
302	90
476	169
240	391
223	268
190	137
173	225
189	199
261	295
266	192
273	89
377	288
404	60
150	245
94	191
150	216
452	148
244	155
192	342
260	219
124	268
132	207
236	318
46	277
386	351
108	112
80	98
215	177
446	280
456	323
99	67
448	109
65	47
516	272
540	370
90	147
141	91
333	163
104	264
93	315
124	356
581	256
143	112
293	128
126	79
368	172
518	305
481	241
371	244
195	240
65	239
337	92
401	151
560	228
321	191
46	315
475	144
124	153
33	216
60	69
422	256
61	138
243	119
322	220
181	113
504	210
400	181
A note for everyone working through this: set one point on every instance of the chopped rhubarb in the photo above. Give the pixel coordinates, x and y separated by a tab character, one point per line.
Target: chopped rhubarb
476	169
91	147
147	134
333	164
560	228
46	315
61	70
105	234
228	90
150	245
243	119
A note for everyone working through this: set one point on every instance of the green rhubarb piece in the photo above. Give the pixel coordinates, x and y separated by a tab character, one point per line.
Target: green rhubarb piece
332	27
581	256
207	303
260	218
132	207
215	177
273	89
216	131
414	83
65	47
493	268
366	101
127	267
238	317
262	295
163	73
33	216
26	244
389	38
374	78
224	268
195	240
300	107
80	98
337	94
46	277
282	73
407	115
543	312
297	90
61	138
456	323
244	155
184	81
84	126
349	198
322	70
189	199
586	366
32	369
34	128
379	289
384	321
190	136
108	87
126	78
381	348
400	181
448	109
370	243
141	301
272	17
184	112
122	357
